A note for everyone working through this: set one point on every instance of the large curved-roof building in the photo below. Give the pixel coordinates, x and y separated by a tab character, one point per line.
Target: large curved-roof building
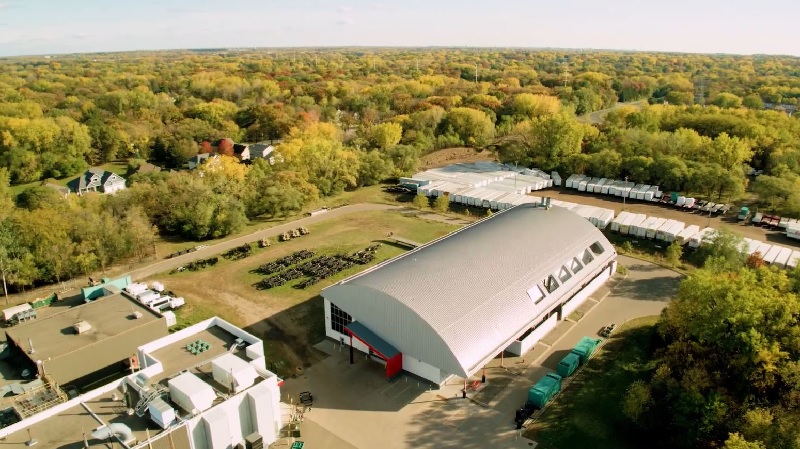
448	307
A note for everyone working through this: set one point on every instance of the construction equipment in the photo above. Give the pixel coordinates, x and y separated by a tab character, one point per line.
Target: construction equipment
264	243
303	230
285	237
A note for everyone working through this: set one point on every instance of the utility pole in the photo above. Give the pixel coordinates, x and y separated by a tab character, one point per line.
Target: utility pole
476	73
5	287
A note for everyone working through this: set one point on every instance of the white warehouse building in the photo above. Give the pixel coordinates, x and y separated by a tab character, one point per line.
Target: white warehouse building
450	306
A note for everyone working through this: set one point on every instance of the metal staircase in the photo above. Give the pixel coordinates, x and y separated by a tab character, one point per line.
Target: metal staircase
150	396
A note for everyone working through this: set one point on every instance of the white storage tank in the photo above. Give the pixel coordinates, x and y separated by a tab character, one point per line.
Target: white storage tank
190	393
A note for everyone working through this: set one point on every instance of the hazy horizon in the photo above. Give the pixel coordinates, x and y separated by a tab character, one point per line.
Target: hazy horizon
50	27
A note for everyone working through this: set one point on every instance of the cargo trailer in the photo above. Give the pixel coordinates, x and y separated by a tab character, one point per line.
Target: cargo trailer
772	254
569	182
592	184
651	231
763	249
783	257
686	234
640	230
671	233
556	178
598	188
757	218
619	218
793	260
744	212
640	193
680	201
752	246
701	237
582	185
689	203
650	194
783	223
632	220
673	197
793	232
603	218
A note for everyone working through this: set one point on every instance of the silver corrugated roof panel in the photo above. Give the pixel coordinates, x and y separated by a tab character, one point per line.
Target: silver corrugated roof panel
458	301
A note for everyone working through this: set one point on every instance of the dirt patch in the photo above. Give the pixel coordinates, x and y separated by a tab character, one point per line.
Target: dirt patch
665	211
447	156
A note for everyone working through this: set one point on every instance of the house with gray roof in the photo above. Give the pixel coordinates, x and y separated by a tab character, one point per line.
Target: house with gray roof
97	180
197	159
261	151
241	151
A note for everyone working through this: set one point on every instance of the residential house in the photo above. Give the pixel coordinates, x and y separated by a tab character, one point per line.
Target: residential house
241	151
197	159
97	180
261	151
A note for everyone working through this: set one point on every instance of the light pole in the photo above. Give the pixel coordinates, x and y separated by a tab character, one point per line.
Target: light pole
624	193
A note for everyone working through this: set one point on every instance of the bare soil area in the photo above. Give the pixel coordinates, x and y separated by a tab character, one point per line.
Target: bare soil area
447	156
666	211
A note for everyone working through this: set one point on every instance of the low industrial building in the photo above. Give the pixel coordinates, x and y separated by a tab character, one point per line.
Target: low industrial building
203	387
450	306
83	344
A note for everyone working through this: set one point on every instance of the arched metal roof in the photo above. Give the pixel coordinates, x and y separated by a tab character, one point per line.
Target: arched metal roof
460	300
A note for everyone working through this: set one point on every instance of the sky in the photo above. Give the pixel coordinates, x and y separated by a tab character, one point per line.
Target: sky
48	27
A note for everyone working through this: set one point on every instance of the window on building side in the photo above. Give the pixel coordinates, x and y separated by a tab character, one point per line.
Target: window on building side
339	319
597	248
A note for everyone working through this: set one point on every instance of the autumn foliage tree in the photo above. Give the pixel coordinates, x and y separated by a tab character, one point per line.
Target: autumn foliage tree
225	147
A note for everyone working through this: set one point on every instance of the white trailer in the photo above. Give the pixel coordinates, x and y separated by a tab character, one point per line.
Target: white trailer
689	203
680	201
570	183
672	233
793	232
629	227
654	227
793	260
752	246
619	218
783	223
701	237
582	185
783	257
686	234
556	178
650	194
640	193
607	186
640	230
598	188
772	254
763	249
591	184
757	218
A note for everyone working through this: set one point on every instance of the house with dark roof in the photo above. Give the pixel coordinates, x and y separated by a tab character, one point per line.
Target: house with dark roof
241	151
197	159
97	180
261	151
145	167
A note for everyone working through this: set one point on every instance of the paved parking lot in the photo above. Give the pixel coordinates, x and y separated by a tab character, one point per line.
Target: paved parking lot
356	407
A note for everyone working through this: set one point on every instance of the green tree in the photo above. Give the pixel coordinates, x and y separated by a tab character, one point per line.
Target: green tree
727	100
735	441
471	126
753	101
674	253
384	135
421	201
637	400
441	203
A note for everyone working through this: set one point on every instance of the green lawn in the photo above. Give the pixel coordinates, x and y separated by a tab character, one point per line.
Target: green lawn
588	414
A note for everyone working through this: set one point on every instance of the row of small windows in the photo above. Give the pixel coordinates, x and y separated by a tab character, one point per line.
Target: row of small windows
339	319
553	281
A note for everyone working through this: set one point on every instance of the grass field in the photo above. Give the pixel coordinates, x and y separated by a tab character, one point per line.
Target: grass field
588	414
289	319
371	194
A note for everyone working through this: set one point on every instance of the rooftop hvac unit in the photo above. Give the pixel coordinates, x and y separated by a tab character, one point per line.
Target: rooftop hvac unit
137	314
82	327
254	441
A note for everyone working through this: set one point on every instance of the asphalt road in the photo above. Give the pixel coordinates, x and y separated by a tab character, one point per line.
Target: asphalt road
219	248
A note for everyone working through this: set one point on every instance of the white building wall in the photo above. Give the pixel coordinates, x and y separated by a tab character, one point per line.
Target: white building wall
423	370
520	347
590	288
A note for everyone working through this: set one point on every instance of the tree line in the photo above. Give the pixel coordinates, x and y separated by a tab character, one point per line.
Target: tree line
726	358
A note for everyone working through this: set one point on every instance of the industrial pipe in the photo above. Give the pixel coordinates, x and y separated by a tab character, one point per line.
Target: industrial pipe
119	430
